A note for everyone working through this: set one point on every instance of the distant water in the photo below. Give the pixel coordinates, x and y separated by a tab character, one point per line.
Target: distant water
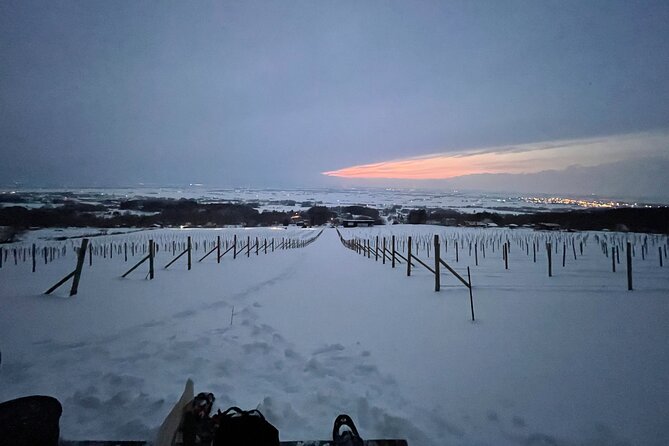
294	199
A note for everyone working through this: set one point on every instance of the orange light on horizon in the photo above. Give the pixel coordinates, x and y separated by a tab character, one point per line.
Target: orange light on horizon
437	167
518	159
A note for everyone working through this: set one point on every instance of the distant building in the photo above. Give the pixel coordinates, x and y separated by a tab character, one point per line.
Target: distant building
548	226
355	222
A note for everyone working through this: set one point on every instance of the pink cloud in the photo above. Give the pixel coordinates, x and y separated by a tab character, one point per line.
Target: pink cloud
522	158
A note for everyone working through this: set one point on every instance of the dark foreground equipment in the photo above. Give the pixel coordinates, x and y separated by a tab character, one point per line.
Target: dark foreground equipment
34	421
30	421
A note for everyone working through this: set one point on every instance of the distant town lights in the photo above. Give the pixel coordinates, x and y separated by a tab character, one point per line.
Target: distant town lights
576	202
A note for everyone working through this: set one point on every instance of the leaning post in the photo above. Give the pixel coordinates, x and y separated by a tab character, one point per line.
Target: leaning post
81	256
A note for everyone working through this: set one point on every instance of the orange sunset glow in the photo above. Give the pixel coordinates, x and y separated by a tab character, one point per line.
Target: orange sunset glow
518	159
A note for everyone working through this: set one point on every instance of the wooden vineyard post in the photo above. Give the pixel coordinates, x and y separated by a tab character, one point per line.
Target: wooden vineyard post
150	258
384	250
34	255
613	258
76	274
550	260
534	252
218	249
457	257
471	297
81	256
257	246
90	255
660	251
376	253
248	246
409	257
505	254
190	249
151	251
393	258
234	243
629	266
564	254
476	254
437	283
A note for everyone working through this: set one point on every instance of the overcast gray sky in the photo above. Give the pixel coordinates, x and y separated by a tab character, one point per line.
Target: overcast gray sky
271	94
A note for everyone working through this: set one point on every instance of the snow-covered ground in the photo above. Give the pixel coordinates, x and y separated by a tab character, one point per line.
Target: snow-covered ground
305	334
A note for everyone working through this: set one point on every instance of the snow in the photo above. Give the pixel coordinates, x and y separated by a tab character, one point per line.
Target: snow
305	334
277	199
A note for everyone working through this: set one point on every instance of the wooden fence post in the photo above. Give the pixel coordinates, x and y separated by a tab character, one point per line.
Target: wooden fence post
471	297
409	257
151	253
437	282
564	253
384	250
218	249
76	274
457	256
476	254
234	251
660	251
34	255
393	259
629	266
550	260
190	248
613	258
81	256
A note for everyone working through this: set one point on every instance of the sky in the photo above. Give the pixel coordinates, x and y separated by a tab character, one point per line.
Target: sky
489	94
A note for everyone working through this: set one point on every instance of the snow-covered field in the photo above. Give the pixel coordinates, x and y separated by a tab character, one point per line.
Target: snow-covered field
305	334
